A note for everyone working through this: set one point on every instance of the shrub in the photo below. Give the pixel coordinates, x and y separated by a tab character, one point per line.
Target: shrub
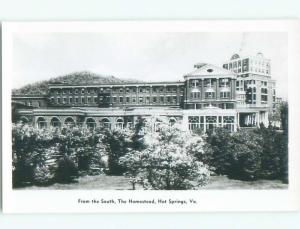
167	162
238	155
43	175
66	171
118	143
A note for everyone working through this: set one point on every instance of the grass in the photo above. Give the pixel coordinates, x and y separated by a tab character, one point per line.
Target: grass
104	182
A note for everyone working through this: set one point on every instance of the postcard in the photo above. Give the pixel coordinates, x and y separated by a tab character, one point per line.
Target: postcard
152	116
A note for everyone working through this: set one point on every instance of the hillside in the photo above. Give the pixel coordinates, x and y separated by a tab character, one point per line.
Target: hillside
41	88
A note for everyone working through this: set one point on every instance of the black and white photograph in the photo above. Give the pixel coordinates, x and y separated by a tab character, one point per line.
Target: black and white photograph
134	111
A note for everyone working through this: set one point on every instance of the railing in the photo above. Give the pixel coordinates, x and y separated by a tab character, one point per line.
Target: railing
252	105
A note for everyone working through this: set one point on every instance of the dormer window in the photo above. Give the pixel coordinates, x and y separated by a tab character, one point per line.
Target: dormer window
210	70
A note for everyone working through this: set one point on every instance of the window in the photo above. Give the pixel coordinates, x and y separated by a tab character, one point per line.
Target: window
105	123
55	122
147	100
211	122
209	95
140	99
89	99
154	99
114	99
82	100
228	123
127	99
70	100
162	99
120	123
224	95
90	123
69	121
174	99
41	123
133	99
64	100
264	95
121	99
196	122
224	82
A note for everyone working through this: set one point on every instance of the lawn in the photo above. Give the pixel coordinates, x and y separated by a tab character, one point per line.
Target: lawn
104	182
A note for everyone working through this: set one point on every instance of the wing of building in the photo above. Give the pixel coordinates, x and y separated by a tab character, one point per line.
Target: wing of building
241	94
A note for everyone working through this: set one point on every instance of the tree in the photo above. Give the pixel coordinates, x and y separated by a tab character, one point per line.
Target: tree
118	143
168	162
238	154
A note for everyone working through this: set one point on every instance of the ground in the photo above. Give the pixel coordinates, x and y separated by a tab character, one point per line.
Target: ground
103	182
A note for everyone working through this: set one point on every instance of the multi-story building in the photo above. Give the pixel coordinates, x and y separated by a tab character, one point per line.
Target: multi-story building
255	90
209	97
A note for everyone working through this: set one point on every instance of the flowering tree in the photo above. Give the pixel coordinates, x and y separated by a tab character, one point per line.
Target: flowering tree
55	155
168	162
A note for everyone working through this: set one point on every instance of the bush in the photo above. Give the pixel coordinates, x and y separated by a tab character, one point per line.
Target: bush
66	171
43	175
167	163
249	154
42	156
237	154
118	143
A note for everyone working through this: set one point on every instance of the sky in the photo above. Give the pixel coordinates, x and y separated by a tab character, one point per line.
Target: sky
142	56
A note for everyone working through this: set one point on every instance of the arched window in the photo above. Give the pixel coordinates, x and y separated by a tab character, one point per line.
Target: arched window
105	123
41	123
194	122
69	121
55	122
90	123
120	123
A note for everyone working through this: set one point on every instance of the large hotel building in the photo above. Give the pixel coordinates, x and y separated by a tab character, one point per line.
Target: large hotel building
240	94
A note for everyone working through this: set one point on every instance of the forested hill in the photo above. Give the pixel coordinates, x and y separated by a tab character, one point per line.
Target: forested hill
41	88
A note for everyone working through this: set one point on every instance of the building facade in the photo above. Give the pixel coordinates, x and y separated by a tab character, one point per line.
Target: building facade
232	97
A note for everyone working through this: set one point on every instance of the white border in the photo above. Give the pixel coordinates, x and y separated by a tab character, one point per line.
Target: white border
16	201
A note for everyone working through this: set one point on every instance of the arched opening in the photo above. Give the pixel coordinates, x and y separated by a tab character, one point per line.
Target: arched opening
90	123
120	123
41	123
55	122
105	123
69	121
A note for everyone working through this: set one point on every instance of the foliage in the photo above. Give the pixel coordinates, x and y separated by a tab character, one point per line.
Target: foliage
168	162
66	170
55	155
249	154
118	144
